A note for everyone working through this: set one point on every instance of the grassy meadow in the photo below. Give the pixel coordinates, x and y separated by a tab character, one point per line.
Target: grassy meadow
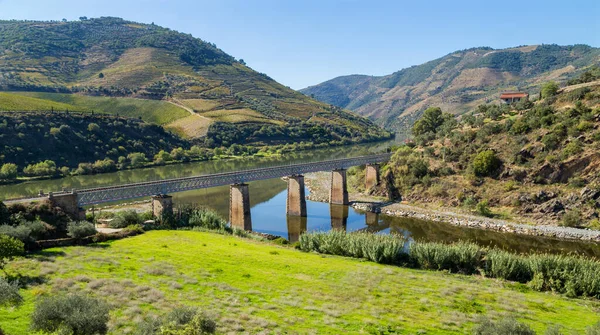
256	287
154	111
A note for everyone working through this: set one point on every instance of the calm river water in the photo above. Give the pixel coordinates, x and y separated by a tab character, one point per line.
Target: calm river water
268	201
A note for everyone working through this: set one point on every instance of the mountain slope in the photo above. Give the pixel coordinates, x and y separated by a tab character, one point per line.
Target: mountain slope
111	57
532	161
457	82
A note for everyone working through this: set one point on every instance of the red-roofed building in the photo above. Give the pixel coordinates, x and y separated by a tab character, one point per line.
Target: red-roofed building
510	97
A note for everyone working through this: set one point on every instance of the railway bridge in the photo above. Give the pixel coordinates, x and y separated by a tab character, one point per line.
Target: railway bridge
239	209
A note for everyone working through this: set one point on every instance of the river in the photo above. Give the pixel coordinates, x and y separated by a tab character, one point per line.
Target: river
268	202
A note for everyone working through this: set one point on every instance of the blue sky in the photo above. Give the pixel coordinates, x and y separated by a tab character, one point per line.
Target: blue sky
304	42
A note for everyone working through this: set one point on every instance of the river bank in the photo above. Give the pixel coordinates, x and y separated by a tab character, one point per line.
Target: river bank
319	185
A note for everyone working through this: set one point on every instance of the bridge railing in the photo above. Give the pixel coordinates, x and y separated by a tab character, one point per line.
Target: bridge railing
136	190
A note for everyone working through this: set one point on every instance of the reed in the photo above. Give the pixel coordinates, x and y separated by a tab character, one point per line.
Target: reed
574	276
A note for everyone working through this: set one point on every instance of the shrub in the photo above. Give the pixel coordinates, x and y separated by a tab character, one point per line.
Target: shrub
72	314
486	163
593	330
180	321
508	266
572	148
507	326
571	218
9	248
138	228
26	232
459	258
549	89
483	208
81	229
9	293
8	171
385	249
206	219
125	218
520	126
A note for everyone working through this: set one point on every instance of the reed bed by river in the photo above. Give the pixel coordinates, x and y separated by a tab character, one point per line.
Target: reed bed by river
572	275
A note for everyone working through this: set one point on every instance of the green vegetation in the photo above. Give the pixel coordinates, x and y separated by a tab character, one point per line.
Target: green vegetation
549	89
571	275
244	286
151	111
9	248
530	160
113	66
70	314
486	163
81	229
42	143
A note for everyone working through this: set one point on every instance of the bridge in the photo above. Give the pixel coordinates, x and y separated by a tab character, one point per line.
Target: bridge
239	212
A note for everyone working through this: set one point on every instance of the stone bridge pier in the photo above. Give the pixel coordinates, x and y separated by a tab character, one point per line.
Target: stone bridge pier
371	176
239	207
338	194
69	203
339	216
162	204
296	198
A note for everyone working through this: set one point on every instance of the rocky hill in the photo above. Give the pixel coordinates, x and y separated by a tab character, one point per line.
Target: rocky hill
108	64
532	161
457	82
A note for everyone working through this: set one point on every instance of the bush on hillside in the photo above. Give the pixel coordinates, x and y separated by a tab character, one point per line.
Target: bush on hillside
571	218
486	163
483	208
507	326
549	89
81	229
9	248
70	314
180	321
9	293
26	231
125	218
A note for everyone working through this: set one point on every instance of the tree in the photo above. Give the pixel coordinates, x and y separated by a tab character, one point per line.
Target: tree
549	89
137	159
93	127
9	248
101	75
485	163
8	171
431	119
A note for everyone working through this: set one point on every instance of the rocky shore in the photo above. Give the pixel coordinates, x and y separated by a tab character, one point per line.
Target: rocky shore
318	185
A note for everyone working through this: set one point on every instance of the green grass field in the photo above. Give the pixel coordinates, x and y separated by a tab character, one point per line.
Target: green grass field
154	111
253	287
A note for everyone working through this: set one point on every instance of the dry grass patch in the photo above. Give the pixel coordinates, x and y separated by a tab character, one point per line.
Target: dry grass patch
193	126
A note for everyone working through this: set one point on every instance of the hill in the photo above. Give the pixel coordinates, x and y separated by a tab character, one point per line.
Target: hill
103	64
532	161
457	82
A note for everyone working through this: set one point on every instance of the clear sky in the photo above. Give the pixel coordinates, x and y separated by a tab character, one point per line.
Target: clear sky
305	42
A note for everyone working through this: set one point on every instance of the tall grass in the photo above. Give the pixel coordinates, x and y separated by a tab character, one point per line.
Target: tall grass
385	249
571	275
460	257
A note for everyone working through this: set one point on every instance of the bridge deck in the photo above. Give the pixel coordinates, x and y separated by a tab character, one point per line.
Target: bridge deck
136	190
92	196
